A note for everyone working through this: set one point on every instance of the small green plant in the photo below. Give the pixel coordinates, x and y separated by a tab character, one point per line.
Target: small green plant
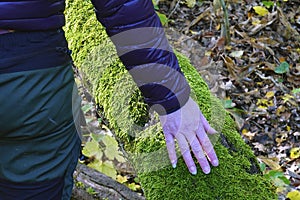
296	91
277	177
91	191
103	149
227	103
86	108
79	184
133	185
268	4
163	18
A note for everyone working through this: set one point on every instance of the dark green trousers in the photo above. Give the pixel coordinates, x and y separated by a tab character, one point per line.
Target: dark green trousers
39	141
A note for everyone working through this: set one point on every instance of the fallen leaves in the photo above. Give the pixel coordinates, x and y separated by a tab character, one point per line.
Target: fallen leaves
236	54
295	153
282	68
293	195
260	10
262	65
273	163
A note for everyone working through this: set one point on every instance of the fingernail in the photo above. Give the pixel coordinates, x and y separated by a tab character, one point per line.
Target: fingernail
215	163
193	170
206	170
174	165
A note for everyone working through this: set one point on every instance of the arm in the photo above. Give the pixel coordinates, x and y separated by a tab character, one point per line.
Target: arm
137	33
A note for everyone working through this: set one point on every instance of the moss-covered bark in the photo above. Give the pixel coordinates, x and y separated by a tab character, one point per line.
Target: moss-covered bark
140	133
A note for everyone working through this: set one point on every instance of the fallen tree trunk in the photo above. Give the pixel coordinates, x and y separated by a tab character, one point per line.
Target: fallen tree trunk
91	184
140	134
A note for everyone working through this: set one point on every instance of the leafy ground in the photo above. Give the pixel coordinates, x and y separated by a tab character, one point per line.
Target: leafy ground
257	75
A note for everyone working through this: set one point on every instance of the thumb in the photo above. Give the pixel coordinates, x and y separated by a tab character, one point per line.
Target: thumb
206	125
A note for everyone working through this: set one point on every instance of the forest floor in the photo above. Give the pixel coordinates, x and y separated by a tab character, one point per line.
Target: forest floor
256	75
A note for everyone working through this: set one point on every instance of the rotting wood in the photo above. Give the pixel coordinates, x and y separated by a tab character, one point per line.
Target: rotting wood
91	184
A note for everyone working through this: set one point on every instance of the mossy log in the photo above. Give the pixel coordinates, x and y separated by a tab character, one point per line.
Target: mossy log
139	133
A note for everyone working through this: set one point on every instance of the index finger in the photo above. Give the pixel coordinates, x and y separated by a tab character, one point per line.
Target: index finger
170	143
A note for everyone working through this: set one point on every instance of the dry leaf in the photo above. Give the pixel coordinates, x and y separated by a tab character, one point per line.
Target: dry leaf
280	110
248	134
262	11
295	153
191	3
293	195
270	94
236	54
271	162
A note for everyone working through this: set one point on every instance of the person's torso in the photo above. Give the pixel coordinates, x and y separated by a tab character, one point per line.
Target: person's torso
33	15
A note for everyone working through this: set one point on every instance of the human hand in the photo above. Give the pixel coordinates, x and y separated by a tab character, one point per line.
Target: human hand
189	127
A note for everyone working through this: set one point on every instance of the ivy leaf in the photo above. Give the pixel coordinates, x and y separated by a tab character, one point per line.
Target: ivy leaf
262	11
282	68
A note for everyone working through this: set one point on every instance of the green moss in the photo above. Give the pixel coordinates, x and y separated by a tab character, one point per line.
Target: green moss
122	103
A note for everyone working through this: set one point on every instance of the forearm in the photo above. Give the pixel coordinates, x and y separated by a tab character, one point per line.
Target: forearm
137	33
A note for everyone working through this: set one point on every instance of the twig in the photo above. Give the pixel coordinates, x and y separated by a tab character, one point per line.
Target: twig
226	22
197	19
288	26
272	79
171	13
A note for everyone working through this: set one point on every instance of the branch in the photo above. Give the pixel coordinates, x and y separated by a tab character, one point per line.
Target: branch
91	184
